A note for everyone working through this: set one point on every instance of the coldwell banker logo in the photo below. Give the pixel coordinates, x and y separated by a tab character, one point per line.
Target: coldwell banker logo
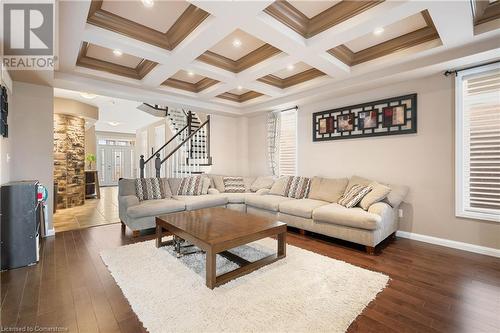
28	35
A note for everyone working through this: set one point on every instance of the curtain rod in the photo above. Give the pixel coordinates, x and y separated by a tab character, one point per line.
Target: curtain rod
455	71
296	107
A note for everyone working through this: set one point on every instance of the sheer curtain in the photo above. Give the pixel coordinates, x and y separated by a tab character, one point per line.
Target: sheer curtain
273	142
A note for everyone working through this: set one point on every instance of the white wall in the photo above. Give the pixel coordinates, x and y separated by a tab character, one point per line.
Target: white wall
424	161
31	133
229	145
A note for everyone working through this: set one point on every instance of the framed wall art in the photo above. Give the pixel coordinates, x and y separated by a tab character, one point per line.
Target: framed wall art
396	115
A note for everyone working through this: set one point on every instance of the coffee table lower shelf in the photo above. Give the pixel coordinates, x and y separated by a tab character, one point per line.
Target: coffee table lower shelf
211	250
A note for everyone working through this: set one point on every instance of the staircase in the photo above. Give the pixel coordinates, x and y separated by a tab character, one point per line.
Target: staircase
188	151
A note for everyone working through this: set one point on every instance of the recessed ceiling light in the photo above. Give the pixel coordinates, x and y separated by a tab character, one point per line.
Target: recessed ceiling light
113	123
117	52
88	95
378	31
148	3
240	88
191	73
290	67
236	42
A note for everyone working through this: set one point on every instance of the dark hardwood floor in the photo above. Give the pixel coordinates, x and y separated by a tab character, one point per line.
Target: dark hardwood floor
432	288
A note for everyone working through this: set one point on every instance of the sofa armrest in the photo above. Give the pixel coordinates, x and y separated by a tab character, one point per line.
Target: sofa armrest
262	191
213	191
124	202
381	209
128	200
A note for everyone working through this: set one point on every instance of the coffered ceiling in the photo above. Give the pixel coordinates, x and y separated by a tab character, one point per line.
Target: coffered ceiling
242	55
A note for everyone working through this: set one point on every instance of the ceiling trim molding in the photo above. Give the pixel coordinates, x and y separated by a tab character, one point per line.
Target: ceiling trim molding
191	18
260	54
240	98
192	87
290	16
304	76
138	73
484	11
420	36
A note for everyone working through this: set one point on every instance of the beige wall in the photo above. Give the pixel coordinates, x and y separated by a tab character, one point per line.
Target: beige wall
423	161
75	108
90	144
31	135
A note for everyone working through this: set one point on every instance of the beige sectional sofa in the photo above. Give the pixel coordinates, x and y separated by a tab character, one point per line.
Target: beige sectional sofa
317	213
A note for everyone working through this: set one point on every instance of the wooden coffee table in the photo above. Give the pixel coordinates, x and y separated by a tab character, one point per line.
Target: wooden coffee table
216	230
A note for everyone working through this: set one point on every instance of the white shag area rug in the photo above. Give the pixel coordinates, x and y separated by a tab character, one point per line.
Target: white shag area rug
304	292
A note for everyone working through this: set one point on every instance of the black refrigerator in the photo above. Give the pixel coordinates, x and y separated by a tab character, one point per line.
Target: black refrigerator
21	216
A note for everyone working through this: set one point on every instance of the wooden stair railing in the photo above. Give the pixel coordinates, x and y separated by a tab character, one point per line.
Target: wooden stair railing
193	133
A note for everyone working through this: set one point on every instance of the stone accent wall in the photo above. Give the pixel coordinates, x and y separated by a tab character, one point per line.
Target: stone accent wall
69	160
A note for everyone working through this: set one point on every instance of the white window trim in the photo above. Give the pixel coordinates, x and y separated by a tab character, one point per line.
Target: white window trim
460	210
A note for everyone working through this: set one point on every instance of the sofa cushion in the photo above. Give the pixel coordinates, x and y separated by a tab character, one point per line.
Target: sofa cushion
193	185
352	217
234	185
237	197
155	208
268	202
262	182
327	189
301	207
352	197
248	181
279	186
202	201
298	187
378	193
218	182
149	189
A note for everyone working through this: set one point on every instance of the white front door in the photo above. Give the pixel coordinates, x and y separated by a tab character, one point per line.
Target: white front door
113	163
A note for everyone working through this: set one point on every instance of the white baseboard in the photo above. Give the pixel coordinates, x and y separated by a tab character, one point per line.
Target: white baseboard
50	232
489	251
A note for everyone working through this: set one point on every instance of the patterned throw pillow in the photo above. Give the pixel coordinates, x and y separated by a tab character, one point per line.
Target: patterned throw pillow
234	185
297	187
352	197
191	186
149	189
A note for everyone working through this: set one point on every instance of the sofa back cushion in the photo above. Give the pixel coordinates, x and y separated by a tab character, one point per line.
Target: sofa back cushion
261	183
397	195
279	186
193	185
217	182
248	181
149	189
327	189
297	187
354	195
234	185
126	187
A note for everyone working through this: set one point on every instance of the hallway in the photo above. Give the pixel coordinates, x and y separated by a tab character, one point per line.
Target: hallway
94	212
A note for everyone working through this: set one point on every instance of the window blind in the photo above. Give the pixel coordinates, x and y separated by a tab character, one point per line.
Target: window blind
288	143
479	143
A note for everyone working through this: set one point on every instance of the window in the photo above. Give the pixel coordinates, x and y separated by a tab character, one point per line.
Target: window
287	162
478	143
